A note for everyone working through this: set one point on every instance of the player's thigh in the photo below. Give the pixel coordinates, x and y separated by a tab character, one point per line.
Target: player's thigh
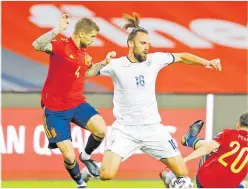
110	165
57	126
120	146
67	150
122	143
162	146
88	117
158	143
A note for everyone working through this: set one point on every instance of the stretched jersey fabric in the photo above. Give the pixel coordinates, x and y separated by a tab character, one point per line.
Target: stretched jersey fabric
64	85
134	88
227	167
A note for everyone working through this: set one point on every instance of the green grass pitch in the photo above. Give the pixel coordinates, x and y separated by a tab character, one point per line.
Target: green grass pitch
91	184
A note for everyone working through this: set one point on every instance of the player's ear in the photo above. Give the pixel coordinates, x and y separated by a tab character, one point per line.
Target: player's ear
238	125
81	34
130	44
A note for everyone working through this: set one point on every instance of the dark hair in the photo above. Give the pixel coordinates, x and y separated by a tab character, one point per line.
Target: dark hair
85	25
243	120
133	22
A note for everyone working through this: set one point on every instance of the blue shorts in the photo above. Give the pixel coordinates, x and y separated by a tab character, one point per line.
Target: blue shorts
57	123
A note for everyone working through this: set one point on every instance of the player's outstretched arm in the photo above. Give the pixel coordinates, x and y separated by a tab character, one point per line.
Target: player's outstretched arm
188	58
202	151
95	68
43	42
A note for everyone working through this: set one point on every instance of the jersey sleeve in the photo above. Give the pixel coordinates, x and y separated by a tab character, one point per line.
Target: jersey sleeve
56	45
162	59
107	70
220	137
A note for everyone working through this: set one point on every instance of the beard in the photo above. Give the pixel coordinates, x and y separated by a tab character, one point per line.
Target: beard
140	57
83	45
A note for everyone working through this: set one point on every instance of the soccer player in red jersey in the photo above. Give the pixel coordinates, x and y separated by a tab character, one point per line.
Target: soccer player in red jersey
62	95
225	160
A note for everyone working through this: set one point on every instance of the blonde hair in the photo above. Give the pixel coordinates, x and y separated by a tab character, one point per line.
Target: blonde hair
85	25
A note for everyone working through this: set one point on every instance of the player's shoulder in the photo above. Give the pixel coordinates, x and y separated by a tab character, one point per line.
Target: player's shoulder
228	133
152	55
230	130
158	55
224	131
118	62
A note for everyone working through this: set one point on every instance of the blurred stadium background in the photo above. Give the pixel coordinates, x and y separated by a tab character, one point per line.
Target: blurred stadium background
184	93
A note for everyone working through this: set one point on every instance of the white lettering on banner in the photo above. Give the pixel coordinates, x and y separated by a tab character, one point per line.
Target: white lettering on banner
222	32
2	142
50	20
41	150
56	151
77	11
157	40
112	33
14	141
79	140
175	30
45	20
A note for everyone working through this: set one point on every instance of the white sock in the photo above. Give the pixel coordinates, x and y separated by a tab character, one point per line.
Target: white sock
169	176
85	156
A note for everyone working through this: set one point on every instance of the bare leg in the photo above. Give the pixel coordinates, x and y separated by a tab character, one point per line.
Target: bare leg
110	165
70	162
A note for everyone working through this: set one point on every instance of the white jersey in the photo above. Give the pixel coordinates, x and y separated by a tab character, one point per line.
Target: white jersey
134	88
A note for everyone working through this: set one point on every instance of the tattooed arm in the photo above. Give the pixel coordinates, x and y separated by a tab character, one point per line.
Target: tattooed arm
95	68
43	42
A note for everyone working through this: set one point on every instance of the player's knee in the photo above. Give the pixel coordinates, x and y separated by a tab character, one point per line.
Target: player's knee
69	158
100	133
106	174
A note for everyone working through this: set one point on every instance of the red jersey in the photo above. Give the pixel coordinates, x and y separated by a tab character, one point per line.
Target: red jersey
227	167
64	84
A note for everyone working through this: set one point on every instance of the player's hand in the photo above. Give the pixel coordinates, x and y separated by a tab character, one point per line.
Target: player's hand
215	63
109	56
64	22
88	60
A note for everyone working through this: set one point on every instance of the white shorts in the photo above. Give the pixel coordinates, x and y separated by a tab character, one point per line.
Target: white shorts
153	140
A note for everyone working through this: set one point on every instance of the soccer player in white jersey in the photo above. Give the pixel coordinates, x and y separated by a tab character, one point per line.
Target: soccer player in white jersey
137	125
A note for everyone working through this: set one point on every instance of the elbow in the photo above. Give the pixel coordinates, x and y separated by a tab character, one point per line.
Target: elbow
185	56
35	45
209	150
